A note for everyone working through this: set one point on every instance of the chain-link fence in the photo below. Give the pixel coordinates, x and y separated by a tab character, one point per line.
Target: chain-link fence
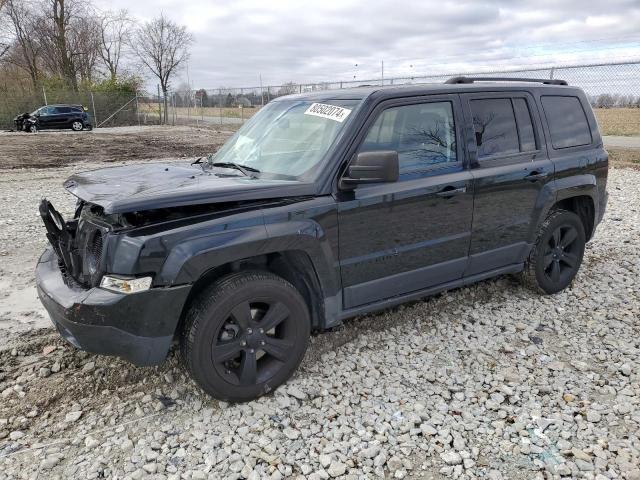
607	85
610	85
106	109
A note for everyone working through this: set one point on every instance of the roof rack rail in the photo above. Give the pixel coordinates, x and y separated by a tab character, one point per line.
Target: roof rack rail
546	81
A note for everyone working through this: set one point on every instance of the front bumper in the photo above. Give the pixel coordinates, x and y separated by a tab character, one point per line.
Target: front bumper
138	327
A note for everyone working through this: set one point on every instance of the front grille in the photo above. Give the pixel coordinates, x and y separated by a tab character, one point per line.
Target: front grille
89	244
94	253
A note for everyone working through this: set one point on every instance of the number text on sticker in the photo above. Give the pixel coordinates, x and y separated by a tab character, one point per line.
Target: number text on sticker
328	111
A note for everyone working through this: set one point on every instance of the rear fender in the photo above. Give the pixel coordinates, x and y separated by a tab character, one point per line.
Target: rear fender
561	189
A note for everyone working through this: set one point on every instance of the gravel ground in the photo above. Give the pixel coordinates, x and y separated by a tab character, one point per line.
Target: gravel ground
490	381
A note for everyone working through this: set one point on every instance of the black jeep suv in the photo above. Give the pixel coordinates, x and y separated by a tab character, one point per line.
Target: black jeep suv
324	206
74	117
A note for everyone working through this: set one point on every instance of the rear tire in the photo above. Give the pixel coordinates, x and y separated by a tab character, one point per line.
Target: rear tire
557	254
245	335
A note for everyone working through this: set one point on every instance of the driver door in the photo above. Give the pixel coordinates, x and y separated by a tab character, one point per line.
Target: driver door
413	234
46	117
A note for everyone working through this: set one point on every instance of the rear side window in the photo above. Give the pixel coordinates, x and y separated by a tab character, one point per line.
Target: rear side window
494	123
567	121
63	110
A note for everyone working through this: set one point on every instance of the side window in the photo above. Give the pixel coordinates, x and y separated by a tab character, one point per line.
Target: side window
46	111
424	135
494	123
567	121
63	110
525	125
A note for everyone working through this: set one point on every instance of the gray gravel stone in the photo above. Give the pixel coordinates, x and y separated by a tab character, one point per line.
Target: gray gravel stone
490	381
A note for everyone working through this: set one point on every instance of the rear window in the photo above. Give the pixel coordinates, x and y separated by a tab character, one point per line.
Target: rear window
567	121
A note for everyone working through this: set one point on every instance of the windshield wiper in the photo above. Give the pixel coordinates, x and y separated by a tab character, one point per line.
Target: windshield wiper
243	168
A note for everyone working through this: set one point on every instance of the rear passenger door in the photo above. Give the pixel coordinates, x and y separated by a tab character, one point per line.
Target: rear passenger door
510	168
62	117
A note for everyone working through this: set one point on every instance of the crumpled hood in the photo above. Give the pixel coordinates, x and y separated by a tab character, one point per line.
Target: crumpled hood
154	185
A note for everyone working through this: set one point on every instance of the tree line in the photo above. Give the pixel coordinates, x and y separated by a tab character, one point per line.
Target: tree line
70	44
611	100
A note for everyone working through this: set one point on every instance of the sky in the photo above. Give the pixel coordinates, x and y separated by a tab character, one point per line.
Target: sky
238	42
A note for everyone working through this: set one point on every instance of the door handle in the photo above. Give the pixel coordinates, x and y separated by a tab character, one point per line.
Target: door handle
450	191
535	176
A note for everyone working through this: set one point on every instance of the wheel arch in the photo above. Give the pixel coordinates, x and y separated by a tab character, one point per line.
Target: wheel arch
294	266
577	194
584	207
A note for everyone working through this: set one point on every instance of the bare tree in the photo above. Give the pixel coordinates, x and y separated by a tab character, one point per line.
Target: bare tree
70	39
61	15
163	47
115	33
23	22
4	41
287	89
84	43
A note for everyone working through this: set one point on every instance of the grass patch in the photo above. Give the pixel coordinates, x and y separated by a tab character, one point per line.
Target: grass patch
624	157
618	121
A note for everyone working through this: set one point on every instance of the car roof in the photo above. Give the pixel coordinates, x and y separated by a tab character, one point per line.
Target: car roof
364	91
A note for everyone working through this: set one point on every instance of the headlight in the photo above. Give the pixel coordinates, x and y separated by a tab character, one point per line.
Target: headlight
125	284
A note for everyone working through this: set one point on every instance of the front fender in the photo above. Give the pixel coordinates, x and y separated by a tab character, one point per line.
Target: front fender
309	227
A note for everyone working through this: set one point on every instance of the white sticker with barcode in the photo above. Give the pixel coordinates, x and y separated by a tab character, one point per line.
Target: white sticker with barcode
331	112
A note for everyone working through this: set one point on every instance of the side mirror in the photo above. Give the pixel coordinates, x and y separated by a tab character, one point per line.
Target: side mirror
372	167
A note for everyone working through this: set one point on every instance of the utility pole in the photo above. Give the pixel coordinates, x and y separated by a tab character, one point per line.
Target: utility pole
261	92
159	105
45	95
93	104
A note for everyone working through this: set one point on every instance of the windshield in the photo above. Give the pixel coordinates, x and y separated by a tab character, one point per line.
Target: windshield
287	138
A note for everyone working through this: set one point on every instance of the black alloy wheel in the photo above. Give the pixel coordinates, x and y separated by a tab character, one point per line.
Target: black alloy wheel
254	342
561	255
245	335
557	254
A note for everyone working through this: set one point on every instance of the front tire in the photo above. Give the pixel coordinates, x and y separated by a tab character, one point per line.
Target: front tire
77	126
557	254
245	335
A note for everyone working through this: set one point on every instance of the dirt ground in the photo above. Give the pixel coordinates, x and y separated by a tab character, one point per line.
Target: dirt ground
58	148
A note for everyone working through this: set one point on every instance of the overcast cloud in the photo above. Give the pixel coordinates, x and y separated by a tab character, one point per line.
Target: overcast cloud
323	40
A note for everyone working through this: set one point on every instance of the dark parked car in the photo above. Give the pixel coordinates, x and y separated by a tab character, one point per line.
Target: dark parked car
74	117
324	206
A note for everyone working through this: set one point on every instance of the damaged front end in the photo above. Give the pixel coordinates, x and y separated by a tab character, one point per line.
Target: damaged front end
77	243
136	324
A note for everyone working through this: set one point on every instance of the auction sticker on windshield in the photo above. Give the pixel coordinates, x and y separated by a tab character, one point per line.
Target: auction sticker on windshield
331	112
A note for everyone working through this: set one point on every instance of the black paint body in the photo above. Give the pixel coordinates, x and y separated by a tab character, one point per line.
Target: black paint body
351	251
